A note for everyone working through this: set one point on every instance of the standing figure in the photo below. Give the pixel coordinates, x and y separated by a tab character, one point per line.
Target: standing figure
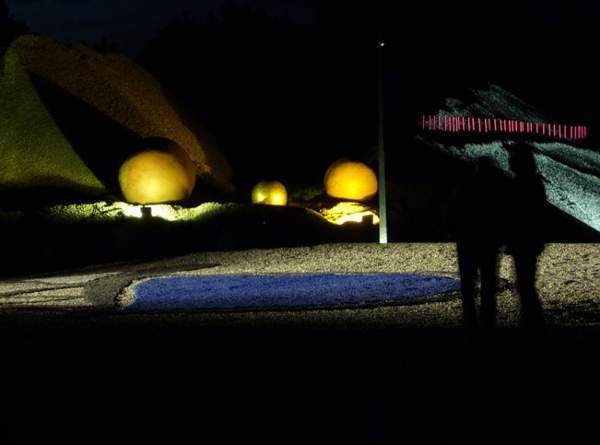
478	220
525	239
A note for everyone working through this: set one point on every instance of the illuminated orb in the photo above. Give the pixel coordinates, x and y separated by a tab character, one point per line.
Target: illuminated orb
158	175
270	193
350	180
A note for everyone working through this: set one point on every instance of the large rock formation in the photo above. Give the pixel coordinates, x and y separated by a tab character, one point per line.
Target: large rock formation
70	116
33	150
571	172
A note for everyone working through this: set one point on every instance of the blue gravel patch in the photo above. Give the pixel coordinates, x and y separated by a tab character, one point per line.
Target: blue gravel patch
213	292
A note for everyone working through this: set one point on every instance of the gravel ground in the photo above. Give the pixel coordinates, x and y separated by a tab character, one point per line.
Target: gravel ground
568	282
75	366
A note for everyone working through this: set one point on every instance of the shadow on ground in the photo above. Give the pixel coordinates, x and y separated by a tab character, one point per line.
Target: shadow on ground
83	379
35	243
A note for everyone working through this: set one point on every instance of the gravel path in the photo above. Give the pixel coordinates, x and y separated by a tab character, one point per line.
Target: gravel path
74	360
568	282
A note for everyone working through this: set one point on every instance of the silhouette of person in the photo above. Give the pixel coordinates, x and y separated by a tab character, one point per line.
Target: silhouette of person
525	240
477	223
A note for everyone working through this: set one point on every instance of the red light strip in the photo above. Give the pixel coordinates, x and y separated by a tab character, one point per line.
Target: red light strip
468	124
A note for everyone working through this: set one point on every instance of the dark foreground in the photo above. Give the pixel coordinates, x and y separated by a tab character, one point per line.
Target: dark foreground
139	379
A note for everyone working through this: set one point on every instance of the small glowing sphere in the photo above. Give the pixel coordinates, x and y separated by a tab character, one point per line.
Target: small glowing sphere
350	180
157	176
270	193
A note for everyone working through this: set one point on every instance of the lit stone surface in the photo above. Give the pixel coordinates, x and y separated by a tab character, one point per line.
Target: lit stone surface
350	180
568	283
270	193
571	173
34	148
157	176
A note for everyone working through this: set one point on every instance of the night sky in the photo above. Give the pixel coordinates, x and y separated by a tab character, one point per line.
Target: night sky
132	21
544	45
129	23
547	29
544	51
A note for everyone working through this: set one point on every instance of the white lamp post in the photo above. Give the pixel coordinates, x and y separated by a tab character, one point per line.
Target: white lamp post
383	235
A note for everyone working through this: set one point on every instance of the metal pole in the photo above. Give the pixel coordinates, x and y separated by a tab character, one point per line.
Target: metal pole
184	15
383	235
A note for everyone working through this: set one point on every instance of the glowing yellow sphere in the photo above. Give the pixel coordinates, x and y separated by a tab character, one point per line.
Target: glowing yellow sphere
350	180
270	193
157	176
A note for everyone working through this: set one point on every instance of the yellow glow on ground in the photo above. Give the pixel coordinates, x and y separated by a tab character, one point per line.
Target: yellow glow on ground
102	211
166	212
348	212
132	211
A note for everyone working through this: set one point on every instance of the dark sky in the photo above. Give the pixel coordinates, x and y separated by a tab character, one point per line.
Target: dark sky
491	40
128	22
131	22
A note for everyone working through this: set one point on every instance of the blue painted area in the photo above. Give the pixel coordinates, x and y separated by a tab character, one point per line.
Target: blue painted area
284	291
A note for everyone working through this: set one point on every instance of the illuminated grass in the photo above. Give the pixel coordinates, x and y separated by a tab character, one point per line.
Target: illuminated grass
33	150
103	211
348	212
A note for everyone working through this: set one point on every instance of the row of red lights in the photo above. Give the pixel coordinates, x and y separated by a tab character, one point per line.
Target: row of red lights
457	124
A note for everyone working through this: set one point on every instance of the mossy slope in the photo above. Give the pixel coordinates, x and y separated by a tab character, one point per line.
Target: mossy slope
56	103
33	150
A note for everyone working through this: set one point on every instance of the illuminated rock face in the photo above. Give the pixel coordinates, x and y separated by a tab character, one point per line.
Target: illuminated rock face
350	180
114	104
34	152
270	193
158	175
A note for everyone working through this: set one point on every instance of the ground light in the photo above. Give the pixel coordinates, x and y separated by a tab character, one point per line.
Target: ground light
342	213
383	235
103	211
348	212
